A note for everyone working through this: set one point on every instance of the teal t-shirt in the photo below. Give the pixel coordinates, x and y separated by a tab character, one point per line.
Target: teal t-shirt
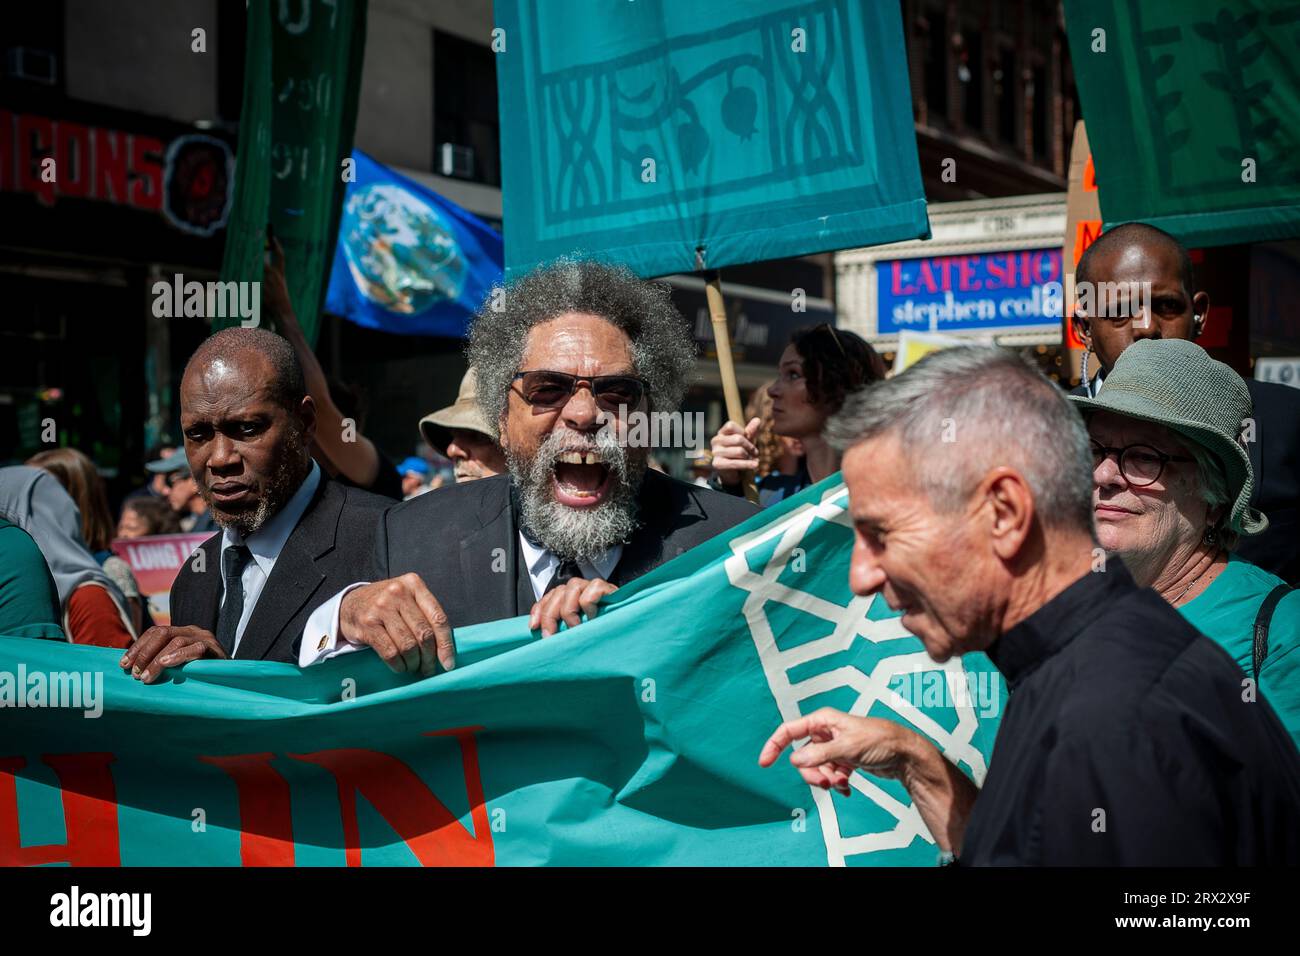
1225	613
29	602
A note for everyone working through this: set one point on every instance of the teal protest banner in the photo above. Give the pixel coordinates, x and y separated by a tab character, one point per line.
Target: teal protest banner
673	136
1193	111
302	78
632	739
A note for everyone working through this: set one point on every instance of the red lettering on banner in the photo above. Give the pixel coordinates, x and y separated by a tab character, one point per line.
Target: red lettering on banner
423	822
1044	275
73	164
7	175
110	165
997	269
432	832
1089	176
35	143
89	813
146	191
966	272
925	277
896	278
265	815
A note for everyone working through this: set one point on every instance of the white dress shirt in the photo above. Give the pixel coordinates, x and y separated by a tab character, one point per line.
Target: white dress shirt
320	639
265	544
542	565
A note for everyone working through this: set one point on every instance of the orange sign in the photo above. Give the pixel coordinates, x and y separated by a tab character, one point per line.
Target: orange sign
1082	222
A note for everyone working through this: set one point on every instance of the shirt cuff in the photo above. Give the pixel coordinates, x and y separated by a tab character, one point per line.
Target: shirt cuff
320	638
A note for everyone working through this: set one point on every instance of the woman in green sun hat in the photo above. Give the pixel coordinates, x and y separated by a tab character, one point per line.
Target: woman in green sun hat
1171	491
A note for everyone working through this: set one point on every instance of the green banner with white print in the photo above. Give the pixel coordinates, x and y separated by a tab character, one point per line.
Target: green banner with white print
302	78
630	739
1193	112
673	135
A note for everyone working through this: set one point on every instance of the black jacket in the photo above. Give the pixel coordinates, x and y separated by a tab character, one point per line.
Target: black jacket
463	541
1127	740
1275	461
323	554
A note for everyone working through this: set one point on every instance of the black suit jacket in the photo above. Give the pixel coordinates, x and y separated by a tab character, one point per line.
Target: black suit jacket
463	541
323	554
1275	461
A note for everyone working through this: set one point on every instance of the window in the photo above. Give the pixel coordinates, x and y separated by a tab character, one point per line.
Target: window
936	68
1042	100
1005	80
466	132
970	72
31	55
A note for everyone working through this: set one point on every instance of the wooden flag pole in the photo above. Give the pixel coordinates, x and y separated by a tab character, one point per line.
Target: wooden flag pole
727	369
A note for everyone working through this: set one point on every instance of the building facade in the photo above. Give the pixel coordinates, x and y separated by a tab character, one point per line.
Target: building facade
990	273
994	105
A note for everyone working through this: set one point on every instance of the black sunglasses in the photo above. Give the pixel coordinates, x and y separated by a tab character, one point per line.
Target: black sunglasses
546	389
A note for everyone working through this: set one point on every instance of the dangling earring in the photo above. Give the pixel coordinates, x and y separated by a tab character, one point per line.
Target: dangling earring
1083	370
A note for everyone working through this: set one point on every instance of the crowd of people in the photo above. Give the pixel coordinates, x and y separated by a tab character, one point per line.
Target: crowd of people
1125	555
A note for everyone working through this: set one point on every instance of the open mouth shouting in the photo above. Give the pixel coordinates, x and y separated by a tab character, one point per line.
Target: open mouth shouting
581	478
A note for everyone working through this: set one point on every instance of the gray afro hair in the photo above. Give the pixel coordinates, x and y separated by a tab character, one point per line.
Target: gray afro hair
663	351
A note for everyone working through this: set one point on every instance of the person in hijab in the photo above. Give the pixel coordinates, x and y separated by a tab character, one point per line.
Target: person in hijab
81	479
29	602
94	610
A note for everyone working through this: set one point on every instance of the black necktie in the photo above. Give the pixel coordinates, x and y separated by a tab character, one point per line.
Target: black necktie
233	561
567	570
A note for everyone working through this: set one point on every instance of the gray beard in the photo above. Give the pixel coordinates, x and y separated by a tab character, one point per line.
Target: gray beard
246	523
578	533
284	481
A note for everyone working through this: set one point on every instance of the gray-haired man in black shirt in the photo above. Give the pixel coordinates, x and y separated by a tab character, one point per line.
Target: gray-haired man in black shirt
1127	739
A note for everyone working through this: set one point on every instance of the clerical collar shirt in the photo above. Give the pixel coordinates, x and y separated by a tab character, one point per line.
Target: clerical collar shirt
265	544
1130	739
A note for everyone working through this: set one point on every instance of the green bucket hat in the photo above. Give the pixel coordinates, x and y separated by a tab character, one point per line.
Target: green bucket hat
1175	383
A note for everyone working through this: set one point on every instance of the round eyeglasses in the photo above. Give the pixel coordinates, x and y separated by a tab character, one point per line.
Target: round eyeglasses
1141	465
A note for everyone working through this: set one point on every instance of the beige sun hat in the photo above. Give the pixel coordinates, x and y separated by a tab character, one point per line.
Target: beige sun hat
436	427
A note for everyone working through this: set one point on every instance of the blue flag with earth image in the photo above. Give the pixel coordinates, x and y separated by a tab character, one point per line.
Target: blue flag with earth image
407	260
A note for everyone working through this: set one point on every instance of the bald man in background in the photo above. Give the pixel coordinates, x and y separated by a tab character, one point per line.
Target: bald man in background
1137	252
290	536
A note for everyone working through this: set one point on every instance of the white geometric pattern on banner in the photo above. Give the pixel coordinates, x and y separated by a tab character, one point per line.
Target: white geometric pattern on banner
849	623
